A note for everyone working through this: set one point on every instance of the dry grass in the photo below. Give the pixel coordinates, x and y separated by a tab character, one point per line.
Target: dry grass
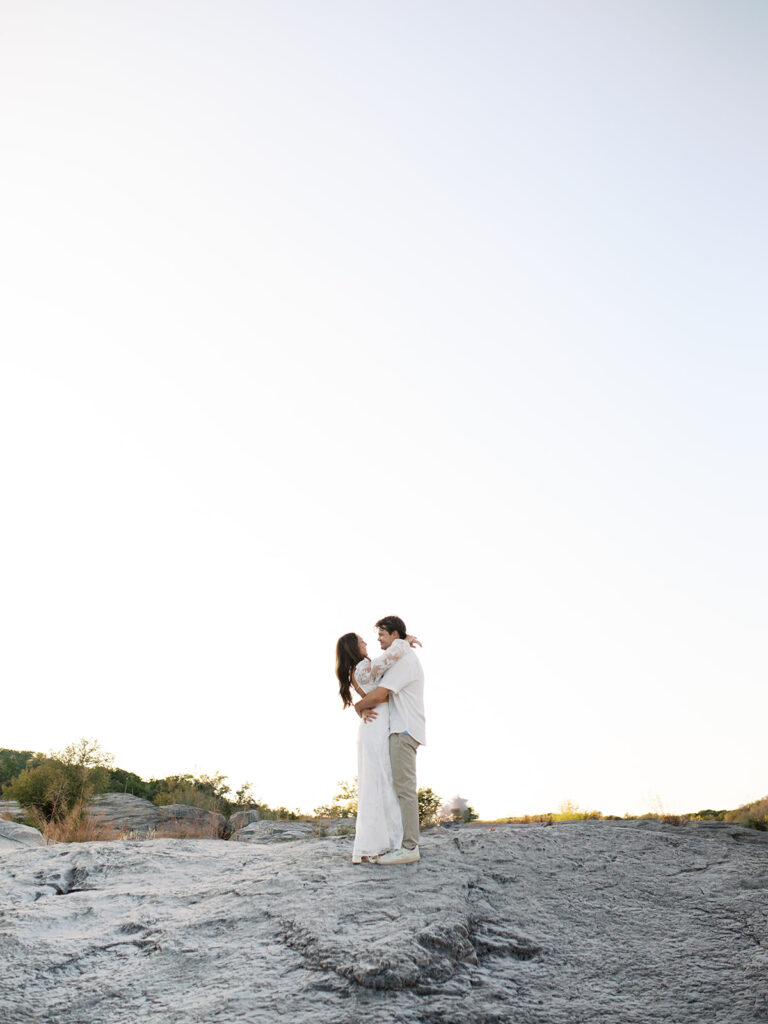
524	819
580	815
567	811
198	829
75	826
674	819
754	815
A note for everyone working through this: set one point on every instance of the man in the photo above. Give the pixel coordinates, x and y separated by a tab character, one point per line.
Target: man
403	686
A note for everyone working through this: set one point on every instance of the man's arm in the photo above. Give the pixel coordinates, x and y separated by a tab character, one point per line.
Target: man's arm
377	696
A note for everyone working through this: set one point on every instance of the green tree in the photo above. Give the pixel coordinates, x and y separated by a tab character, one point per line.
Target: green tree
88	768
85	753
121	781
245	797
57	783
708	814
13	762
206	791
429	808
277	813
467	815
344	804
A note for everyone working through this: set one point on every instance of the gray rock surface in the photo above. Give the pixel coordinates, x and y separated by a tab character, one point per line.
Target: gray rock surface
124	812
275	831
242	818
278	831
619	923
133	815
12	809
336	826
13	836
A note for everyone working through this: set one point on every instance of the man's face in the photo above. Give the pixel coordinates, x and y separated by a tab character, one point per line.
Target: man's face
385	638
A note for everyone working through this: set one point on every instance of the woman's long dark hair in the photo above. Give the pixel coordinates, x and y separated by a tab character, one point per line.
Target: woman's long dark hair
347	656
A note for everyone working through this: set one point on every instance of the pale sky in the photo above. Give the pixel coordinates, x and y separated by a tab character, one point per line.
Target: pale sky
315	312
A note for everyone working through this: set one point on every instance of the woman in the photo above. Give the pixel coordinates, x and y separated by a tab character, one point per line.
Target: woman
379	824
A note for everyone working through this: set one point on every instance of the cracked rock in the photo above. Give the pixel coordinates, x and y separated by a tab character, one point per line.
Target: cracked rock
599	921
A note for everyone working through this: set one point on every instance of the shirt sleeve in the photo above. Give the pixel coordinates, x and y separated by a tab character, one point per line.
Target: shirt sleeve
396	650
363	672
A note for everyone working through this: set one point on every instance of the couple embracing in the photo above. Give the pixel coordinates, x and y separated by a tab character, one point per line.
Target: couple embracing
391	731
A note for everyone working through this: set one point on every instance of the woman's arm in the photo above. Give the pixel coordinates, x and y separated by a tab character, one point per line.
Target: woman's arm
396	650
361	673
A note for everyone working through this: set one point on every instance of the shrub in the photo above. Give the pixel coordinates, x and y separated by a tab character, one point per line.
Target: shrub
457	809
187	793
121	781
267	813
206	791
344	804
210	792
429	808
754	815
46	788
58	783
570	811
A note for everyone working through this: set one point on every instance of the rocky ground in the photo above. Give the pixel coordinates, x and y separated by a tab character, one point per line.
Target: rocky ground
615	922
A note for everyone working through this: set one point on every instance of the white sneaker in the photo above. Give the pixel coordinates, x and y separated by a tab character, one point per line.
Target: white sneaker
401	856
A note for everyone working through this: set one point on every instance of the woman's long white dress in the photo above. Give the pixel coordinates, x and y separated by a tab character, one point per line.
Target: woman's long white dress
379	824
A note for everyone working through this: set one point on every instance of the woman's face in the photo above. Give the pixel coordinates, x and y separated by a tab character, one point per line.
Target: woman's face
363	646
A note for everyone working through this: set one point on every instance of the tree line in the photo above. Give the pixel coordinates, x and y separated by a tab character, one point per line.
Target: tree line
56	784
53	784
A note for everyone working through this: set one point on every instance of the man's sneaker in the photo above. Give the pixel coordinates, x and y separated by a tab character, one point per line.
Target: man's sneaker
401	856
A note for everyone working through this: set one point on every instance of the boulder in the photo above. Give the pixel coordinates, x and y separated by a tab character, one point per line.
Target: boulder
275	831
187	822
14	836
124	812
241	819
12	809
133	814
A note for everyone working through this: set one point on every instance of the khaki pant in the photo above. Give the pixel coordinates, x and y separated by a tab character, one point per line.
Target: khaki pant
402	754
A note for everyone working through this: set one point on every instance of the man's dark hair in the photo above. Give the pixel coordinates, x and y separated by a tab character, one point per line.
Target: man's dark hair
393	624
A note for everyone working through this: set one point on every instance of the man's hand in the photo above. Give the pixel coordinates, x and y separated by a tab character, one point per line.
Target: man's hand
367	715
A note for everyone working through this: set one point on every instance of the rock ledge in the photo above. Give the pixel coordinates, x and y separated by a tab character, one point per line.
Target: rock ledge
624	922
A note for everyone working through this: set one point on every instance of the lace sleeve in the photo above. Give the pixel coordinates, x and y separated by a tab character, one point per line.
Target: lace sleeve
363	672
396	650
